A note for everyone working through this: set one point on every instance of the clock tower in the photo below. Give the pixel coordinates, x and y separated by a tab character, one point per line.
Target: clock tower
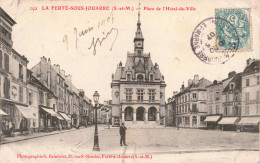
139	40
138	89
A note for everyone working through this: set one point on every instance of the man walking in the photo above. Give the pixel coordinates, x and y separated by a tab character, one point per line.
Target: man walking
122	134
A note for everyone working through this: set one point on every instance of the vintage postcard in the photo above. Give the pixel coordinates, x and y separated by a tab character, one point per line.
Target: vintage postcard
129	81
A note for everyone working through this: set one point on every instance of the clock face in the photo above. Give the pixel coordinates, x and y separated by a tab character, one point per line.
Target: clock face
139	44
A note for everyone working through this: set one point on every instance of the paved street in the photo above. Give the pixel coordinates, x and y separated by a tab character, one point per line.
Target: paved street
171	140
160	144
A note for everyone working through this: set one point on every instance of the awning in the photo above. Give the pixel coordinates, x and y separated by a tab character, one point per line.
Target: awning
53	113
65	116
59	117
2	112
50	111
27	112
228	120
212	118
249	121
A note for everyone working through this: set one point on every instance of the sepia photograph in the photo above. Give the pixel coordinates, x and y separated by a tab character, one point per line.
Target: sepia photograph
130	81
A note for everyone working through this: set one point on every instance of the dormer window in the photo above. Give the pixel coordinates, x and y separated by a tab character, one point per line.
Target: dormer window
151	77
128	77
140	77
232	86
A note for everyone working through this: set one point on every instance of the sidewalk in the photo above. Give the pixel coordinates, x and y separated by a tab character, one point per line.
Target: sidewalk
6	140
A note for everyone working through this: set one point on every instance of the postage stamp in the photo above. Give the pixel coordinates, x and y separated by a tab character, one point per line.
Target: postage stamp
240	19
204	44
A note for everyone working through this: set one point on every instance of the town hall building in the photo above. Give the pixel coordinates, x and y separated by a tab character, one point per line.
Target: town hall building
138	89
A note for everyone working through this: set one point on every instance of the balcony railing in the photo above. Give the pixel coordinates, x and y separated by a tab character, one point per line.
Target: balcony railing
140	101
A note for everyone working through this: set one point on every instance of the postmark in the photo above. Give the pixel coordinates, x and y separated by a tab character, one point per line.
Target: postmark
240	19
204	41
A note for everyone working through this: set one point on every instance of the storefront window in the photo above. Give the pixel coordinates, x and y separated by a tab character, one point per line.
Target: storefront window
202	118
187	120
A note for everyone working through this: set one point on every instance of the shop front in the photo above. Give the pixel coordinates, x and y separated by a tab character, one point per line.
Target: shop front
8	121
28	122
74	119
2	114
212	121
18	118
66	122
249	124
228	123
49	119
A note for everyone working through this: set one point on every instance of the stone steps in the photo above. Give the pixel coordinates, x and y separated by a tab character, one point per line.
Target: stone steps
142	124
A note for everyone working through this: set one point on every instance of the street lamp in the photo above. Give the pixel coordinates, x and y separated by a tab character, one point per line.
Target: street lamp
108	124
96	144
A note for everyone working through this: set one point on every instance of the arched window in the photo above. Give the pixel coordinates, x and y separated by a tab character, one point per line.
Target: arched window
140	77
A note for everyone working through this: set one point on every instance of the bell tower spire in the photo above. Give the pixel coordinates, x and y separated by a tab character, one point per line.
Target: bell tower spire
139	40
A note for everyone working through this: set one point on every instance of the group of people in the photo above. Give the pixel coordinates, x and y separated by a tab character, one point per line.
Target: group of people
8	127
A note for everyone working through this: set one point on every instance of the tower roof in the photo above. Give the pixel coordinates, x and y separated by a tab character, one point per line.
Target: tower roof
138	33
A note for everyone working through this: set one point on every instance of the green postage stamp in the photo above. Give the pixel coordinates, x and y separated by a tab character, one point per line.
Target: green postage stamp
240	19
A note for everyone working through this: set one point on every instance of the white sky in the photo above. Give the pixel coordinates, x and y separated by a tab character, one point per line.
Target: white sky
167	37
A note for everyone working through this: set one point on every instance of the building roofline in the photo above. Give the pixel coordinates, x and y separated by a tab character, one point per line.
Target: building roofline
21	56
11	20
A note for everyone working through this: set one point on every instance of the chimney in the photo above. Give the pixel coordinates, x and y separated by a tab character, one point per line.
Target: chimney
57	68
120	64
106	103
182	87
62	73
249	61
49	61
174	93
189	82
68	77
49	73
156	66
81	92
196	79
231	74
43	60
215	82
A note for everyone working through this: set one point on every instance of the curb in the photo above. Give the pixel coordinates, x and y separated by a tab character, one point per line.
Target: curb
178	152
200	151
74	149
37	137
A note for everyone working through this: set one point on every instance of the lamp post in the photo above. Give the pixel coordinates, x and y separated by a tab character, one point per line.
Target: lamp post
108	124
96	143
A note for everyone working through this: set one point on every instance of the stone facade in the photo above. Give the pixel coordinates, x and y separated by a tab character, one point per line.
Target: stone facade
191	108
13	80
251	89
171	111
138	88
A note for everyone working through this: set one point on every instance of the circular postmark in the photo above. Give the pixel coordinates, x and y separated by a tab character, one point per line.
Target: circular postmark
214	40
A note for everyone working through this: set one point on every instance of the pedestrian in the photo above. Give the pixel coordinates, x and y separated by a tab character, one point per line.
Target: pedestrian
122	132
10	128
21	126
